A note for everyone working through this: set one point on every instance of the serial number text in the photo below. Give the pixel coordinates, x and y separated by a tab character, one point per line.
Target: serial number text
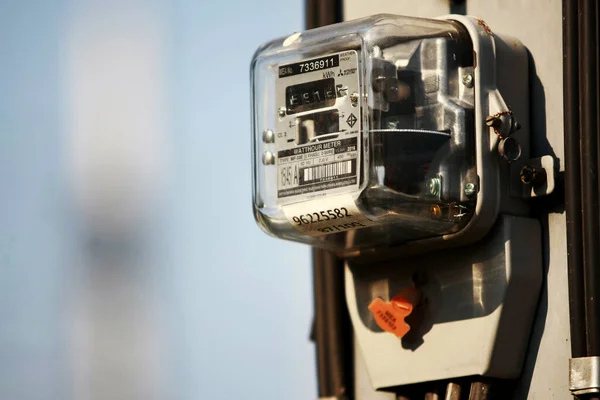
321	216
317	65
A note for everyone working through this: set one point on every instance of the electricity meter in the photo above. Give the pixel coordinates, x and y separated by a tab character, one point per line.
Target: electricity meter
386	131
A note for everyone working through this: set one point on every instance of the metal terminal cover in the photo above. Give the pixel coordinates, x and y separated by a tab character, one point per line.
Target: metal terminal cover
475	312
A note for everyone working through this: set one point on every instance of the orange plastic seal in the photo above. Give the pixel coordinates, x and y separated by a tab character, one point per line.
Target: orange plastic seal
390	315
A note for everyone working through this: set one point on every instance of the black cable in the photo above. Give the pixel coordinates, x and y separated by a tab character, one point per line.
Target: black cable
322	12
458	7
573	178
589	171
333	335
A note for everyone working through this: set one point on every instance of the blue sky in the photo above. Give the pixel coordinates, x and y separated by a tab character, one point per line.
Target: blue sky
130	263
266	281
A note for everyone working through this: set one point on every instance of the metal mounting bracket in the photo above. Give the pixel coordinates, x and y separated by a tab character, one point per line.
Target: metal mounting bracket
584	375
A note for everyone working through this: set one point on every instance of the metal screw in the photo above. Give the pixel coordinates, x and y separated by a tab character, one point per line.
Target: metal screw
341	90
268	158
435	211
376	52
434	186
493	121
468	80
354	98
535	177
393	124
268	136
282	111
470	189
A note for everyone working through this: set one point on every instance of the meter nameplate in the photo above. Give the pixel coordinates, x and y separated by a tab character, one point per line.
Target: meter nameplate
318	137
318	167
327	215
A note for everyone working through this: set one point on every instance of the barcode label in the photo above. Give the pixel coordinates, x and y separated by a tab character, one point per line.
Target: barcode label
327	171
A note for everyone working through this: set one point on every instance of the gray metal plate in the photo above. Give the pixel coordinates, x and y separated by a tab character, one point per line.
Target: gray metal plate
479	301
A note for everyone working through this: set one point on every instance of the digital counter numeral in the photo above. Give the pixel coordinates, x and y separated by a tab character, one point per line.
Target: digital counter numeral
317	65
310	95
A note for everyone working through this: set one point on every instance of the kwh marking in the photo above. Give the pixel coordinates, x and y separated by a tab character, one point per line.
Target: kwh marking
328	74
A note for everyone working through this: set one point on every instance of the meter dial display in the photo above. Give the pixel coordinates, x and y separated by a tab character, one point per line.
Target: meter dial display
318	131
310	96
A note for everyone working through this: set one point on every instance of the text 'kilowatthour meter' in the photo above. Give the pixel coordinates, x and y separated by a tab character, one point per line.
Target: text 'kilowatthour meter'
387	131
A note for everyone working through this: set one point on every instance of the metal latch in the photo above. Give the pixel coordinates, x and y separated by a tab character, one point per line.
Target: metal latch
584	375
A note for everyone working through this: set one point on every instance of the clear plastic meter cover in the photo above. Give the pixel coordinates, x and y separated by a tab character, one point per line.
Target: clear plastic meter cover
363	133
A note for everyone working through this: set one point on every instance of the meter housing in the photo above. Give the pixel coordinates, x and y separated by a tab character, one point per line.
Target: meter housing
372	134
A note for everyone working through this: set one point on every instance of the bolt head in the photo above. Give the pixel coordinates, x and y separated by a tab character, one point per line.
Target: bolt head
494	121
468	80
282	111
392	124
376	51
268	136
435	211
434	186
527	174
470	189
268	158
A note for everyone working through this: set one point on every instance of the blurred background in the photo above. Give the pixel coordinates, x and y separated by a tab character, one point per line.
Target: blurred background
130	263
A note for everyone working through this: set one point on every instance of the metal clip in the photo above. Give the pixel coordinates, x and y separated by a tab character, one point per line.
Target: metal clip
584	375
